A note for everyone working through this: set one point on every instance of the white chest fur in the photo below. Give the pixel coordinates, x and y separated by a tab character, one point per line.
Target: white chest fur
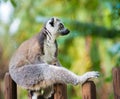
49	52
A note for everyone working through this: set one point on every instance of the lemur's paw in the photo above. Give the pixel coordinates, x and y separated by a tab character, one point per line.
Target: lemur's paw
93	74
89	75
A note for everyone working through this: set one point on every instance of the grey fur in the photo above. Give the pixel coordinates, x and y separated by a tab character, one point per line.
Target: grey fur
35	66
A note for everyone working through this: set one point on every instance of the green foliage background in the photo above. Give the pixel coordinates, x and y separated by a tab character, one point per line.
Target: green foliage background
93	44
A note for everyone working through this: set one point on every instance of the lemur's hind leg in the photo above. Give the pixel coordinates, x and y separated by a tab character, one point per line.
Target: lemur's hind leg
48	92
43	93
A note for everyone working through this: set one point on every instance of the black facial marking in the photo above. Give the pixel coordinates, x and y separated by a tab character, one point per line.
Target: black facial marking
61	26
52	22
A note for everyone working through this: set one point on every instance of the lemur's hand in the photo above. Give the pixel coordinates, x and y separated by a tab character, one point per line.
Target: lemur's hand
88	75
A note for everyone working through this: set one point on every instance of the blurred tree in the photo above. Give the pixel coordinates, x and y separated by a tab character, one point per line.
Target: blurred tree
1	51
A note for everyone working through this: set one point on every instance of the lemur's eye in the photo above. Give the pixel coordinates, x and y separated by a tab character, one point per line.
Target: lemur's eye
61	26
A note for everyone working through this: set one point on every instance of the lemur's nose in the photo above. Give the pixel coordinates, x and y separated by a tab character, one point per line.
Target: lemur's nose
67	31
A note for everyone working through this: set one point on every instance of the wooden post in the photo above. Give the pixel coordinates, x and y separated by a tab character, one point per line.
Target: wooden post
0	92
89	90
116	82
10	87
29	95
60	91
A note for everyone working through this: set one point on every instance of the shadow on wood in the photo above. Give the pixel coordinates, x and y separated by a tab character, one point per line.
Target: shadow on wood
60	91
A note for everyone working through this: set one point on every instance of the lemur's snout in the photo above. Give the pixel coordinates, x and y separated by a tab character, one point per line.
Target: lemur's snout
65	32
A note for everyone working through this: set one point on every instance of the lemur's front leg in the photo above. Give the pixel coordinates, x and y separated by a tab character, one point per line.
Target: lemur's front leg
62	75
83	78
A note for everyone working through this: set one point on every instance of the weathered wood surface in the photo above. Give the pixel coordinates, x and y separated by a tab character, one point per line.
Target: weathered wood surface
116	82
60	91
0	92
10	87
89	90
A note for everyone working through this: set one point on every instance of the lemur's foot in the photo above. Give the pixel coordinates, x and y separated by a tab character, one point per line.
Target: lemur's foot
89	75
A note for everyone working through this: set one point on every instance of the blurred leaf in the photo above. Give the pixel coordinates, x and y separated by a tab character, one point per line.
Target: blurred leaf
13	3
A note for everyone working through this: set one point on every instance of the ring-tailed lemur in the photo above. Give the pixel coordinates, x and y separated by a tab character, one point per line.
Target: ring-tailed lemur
35	66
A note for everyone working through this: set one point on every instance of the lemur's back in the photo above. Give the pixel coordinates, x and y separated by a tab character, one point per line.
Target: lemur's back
28	53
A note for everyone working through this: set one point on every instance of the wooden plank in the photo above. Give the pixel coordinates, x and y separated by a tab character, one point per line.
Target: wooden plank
60	91
89	90
10	87
116	82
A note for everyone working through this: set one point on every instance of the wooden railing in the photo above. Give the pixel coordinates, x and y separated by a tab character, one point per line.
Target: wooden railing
88	88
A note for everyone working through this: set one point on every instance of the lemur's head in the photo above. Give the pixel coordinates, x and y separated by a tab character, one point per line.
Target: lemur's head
56	27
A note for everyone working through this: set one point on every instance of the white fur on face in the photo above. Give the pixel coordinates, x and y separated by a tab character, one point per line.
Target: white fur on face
53	29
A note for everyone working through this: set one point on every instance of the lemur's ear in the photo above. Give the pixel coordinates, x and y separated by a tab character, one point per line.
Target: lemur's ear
52	22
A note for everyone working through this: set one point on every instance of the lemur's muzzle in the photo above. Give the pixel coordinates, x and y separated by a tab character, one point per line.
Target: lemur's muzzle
65	32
